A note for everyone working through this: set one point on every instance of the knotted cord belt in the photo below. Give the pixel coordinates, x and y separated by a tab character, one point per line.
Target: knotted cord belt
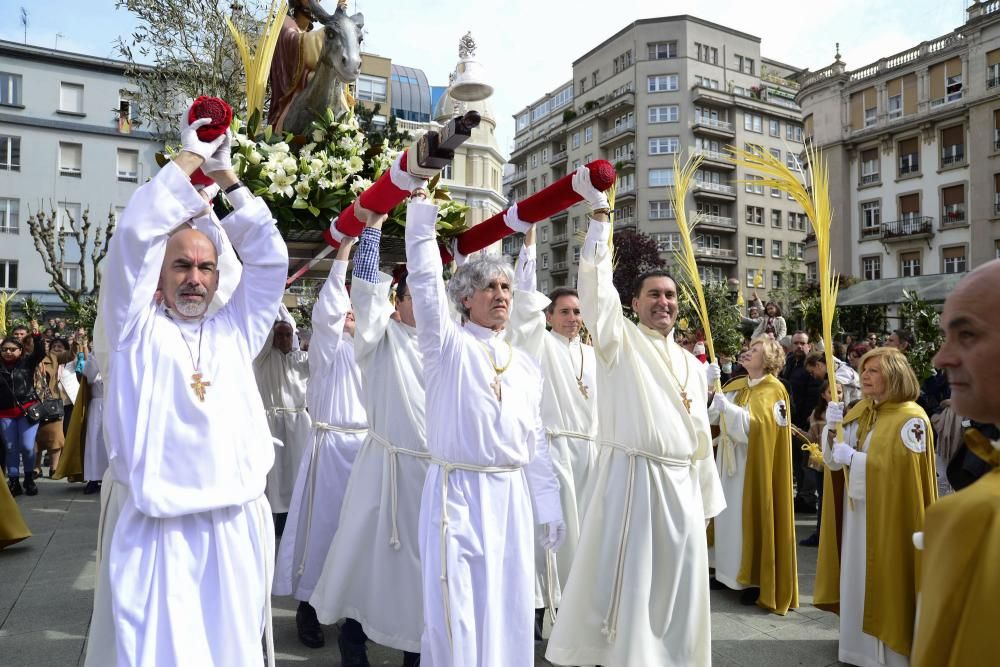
275	410
320	427
610	626
446	468
554	433
394	453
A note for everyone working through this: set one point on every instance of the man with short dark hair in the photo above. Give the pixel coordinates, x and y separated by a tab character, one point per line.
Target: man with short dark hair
803	389
901	339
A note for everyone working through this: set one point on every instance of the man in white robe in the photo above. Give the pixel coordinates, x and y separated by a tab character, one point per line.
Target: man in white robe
339	425
489	461
372	574
189	556
638	592
282	372
569	408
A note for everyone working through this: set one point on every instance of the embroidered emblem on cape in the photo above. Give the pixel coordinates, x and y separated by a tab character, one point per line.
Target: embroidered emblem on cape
781	413
914	435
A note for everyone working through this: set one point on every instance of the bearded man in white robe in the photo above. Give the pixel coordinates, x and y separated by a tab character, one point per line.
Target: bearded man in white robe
489	460
190	555
569	406
282	372
638	592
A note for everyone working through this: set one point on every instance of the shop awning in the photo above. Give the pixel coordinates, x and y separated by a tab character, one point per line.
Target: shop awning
890	290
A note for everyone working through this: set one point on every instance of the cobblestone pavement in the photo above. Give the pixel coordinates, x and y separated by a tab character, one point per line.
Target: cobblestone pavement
47	586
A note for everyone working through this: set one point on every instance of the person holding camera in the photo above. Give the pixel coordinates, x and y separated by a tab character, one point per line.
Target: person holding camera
17	395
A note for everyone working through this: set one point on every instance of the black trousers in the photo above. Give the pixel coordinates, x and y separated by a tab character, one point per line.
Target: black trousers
353	633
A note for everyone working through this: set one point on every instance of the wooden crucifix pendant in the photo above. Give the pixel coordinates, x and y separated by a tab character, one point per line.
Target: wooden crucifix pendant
497	388
199	386
583	388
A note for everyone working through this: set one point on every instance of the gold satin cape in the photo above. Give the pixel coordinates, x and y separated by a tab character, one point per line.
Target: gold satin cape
900	485
767	557
71	461
12	526
961	573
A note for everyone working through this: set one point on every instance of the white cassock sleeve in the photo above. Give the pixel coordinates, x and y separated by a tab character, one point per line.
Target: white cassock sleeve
527	319
599	300
372	312
435	327
92	370
858	467
541	476
329	314
737	420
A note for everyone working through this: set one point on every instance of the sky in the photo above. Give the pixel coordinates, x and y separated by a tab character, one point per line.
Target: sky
528	46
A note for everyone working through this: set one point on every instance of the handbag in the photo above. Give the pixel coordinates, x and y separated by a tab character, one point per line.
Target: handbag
45	412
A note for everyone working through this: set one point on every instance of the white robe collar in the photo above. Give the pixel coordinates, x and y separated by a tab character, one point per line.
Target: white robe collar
481	332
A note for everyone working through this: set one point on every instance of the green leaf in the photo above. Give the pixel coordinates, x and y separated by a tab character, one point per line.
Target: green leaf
314	211
300	204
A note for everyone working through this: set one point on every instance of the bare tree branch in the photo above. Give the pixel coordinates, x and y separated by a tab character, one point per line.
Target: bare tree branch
50	243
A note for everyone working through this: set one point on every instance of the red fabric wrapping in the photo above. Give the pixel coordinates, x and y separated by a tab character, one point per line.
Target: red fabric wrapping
543	204
214	108
381	197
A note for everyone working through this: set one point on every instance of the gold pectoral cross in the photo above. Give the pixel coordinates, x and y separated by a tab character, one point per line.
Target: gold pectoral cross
199	386
497	388
686	401
583	388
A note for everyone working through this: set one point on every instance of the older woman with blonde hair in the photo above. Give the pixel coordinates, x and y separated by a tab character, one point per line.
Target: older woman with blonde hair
879	482
754	548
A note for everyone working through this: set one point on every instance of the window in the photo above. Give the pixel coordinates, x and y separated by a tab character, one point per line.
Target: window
871	116
744	64
661	177
658	83
776	218
909	264
710	241
665	113
793	132
909	156
953	205
711	275
707	54
71	98
902	96
797	221
871	219
993	68
70	159
952	146
954	259
662	50
588	134
870	166
10	89
10	153
68	217
663	145
8	273
895	109
523	121
777	250
545	233
661	210
9	214
128	165
623	61
575	140
753	123
371	88
945	81
755	277
755	215
593	77
667	241
774	127
446	173
909	210
576	253
812	274
871	267
71	274
996	194
750	185
796	249
533	188
755	246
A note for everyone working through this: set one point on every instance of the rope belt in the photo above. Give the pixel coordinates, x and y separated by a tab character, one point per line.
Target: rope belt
554	433
446	468
394	453
610	626
313	462
275	410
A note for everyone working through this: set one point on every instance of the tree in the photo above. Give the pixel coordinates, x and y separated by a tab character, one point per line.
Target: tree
723	315
387	134
923	321
181	49
634	254
51	236
793	280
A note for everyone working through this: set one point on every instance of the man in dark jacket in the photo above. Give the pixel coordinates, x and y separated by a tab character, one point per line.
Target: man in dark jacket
17	394
803	390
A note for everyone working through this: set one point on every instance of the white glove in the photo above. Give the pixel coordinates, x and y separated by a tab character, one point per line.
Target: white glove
712	373
222	158
834	414
192	144
459	258
583	187
720	402
515	223
842	454
555	535
403	180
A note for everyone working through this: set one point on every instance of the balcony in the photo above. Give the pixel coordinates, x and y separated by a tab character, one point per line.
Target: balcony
558	158
953	155
559	240
630	222
715	158
908	229
713	127
723	255
810	238
520	176
617	104
953	215
559	267
871	179
619	132
714	222
908	164
625	191
623	161
703	94
714	190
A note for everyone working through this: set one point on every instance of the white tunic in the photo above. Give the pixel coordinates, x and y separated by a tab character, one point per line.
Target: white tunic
282	380
191	552
339	428
856	647
490	461
638	591
570	419
372	573
95	454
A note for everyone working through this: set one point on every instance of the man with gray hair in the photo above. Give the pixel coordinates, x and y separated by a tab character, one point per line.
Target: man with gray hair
489	460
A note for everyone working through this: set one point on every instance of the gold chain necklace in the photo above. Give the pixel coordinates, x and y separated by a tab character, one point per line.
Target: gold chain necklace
197	384
498	370
579	378
682	387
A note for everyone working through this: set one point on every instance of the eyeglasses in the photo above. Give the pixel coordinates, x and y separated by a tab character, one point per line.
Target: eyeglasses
11	349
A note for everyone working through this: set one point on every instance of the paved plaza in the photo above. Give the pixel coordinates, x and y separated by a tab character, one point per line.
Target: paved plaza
47	588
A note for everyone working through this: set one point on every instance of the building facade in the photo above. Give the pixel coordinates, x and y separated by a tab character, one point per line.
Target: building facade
656	89
913	146
68	141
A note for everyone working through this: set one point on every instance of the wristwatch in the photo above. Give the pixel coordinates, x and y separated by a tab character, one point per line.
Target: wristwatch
234	186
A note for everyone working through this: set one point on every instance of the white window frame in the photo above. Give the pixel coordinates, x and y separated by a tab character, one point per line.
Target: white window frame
669	50
664	113
661	83
5	274
871	267
71	98
777	248
10	214
10	159
664	145
66	169
871	219
664	177
126	175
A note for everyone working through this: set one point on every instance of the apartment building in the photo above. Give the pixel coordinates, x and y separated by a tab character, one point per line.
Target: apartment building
68	140
913	146
658	88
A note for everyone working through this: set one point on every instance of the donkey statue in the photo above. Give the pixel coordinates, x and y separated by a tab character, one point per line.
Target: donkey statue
339	64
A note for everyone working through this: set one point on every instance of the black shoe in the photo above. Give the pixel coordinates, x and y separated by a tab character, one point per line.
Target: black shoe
716	585
91	488
30	488
749	596
803	506
310	632
14	486
811	541
539	623
352	654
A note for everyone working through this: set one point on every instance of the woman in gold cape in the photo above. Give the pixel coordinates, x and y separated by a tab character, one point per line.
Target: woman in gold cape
878	484
754	547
